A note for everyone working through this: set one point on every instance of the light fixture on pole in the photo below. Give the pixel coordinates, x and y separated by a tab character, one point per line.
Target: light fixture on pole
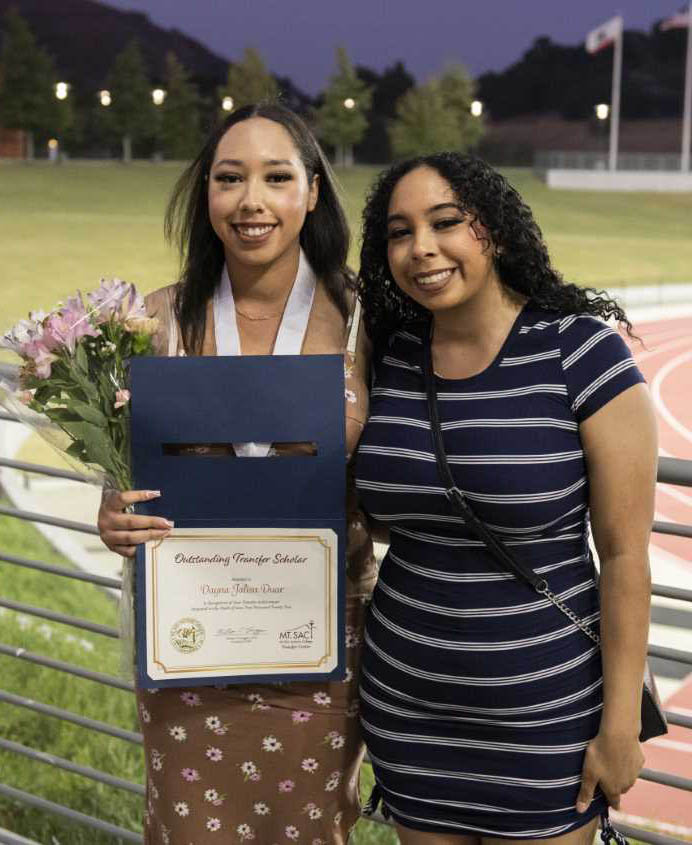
158	95
61	90
349	103
105	98
476	108
227	104
602	111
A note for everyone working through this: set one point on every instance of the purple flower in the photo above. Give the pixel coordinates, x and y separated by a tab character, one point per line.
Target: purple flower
66	326
116	298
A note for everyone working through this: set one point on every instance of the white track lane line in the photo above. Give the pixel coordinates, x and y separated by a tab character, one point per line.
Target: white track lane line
664	347
660	405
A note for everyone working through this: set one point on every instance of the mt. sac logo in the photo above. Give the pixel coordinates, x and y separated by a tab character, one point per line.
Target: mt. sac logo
300	634
187	635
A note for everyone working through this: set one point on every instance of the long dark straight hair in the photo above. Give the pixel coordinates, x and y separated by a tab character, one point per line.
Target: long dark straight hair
324	236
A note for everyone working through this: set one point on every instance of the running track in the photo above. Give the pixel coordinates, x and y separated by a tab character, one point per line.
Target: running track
666	362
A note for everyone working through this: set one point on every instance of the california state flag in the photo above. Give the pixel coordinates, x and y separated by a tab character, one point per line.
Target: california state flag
680	20
604	35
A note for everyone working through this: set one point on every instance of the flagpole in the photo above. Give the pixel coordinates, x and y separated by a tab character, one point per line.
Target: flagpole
615	101
687	110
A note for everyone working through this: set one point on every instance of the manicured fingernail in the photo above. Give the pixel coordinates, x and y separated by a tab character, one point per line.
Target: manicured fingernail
170	524
153	494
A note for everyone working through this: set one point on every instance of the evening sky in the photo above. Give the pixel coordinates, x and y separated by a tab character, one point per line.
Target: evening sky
298	37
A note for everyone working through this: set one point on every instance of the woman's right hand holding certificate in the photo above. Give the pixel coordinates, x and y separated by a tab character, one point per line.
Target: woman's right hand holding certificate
121	530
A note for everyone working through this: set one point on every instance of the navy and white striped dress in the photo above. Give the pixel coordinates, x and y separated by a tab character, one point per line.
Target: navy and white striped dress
478	697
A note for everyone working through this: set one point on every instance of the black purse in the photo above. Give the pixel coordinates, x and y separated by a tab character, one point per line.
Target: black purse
653	720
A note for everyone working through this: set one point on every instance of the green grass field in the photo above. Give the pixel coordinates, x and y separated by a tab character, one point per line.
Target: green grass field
65	227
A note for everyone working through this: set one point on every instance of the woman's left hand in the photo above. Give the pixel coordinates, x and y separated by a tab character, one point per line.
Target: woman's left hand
612	761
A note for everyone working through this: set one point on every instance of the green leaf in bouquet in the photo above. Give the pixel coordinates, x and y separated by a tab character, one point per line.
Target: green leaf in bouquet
76	450
95	444
80	358
61	415
88	412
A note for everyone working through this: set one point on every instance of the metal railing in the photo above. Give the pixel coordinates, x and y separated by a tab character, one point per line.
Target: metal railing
670	471
572	159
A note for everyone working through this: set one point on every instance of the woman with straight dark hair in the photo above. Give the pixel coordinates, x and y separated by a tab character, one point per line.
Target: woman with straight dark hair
264	242
506	417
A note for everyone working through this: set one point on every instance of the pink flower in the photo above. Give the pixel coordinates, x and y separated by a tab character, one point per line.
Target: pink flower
190	775
191	699
43	361
214	754
122	397
115	298
66	326
299	716
286	786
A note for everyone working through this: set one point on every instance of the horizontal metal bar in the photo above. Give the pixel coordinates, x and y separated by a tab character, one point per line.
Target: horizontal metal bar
67	812
68	716
63	619
70	668
677	529
9	838
674	471
669	592
649	836
670	654
49	520
666	779
678	719
41	469
69	766
101	580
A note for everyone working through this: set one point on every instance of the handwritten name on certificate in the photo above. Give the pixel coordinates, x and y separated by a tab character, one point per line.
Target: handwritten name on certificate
228	601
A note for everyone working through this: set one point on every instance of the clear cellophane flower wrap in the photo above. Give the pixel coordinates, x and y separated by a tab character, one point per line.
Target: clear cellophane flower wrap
72	389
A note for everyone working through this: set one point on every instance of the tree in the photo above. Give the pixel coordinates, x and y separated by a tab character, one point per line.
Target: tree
458	90
27	93
387	88
341	119
437	116
132	112
180	112
424	124
249	81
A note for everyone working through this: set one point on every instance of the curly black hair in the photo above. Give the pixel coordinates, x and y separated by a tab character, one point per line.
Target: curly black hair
520	254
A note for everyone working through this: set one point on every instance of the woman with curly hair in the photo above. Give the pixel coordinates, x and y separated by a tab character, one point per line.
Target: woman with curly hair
488	713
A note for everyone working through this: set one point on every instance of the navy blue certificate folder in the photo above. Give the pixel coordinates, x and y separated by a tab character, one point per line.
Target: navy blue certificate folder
179	404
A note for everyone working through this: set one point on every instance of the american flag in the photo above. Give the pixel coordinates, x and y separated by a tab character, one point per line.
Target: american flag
679	20
603	35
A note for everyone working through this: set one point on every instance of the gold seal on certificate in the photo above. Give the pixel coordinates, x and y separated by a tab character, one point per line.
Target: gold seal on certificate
225	602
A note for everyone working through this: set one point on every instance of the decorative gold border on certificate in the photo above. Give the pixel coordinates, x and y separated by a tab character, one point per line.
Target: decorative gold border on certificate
233	668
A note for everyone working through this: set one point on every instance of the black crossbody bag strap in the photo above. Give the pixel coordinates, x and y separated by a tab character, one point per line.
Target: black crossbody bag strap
652	715
522	571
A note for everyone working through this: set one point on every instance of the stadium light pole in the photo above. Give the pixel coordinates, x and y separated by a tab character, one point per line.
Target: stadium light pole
687	110
615	100
347	149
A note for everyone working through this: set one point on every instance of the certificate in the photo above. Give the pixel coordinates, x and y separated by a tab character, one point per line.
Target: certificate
256	561
228	602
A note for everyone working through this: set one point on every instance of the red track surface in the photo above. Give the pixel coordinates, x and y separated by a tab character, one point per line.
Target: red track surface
666	362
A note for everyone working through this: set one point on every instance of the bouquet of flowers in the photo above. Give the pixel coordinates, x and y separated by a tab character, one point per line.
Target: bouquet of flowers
72	386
